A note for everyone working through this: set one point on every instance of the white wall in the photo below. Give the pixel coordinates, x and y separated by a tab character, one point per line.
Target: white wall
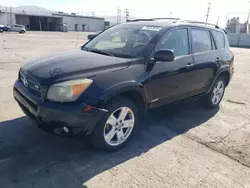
5	18
240	40
91	24
233	39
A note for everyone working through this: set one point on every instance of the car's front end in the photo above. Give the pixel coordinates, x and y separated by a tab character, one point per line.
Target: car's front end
54	116
60	93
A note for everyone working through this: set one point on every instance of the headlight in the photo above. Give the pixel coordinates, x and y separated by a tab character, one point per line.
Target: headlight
68	91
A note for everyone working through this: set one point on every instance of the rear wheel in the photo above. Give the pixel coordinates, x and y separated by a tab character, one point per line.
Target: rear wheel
213	99
1	30
115	129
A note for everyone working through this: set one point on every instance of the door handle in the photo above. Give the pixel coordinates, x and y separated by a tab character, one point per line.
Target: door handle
189	65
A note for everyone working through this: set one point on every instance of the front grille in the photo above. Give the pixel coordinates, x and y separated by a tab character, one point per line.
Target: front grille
27	112
30	84
27	100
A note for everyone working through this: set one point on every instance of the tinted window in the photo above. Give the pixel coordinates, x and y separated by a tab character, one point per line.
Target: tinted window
201	41
176	40
219	39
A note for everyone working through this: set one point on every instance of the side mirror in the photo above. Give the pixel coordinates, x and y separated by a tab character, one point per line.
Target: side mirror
91	36
164	55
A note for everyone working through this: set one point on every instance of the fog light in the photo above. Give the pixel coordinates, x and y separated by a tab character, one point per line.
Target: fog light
65	129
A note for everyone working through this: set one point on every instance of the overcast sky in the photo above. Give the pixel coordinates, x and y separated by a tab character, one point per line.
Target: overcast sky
186	9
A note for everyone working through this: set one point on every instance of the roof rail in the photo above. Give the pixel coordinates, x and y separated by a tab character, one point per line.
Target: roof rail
198	22
154	19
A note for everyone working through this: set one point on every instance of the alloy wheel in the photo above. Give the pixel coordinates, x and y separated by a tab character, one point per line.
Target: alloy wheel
218	92
119	126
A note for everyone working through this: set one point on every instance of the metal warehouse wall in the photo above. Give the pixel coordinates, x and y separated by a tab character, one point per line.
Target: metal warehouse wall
5	18
23	20
91	24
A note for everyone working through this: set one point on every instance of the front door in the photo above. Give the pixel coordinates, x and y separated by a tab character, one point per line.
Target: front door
171	81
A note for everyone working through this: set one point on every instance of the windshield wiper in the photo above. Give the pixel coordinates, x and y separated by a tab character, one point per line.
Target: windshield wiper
100	52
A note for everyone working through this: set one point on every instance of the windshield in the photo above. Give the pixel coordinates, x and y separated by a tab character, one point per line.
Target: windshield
123	40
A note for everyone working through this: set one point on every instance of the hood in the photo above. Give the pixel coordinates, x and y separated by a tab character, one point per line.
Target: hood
72	63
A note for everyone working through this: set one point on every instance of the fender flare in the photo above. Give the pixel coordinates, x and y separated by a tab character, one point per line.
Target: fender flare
129	86
222	70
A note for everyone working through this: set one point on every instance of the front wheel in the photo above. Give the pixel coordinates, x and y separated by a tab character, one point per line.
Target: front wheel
213	99
115	129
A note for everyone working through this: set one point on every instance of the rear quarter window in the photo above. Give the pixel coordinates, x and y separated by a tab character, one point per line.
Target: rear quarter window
219	39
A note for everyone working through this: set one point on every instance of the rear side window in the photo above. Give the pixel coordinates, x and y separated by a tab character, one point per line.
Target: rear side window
219	39
201	41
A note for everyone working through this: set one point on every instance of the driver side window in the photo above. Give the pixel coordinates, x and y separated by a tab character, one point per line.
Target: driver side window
176	40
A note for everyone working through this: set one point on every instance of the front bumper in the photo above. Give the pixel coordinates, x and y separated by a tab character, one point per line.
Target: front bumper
52	117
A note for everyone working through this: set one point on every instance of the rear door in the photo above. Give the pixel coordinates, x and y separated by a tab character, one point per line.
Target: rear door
206	59
220	40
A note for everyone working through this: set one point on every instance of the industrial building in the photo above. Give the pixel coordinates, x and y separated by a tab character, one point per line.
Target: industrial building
40	19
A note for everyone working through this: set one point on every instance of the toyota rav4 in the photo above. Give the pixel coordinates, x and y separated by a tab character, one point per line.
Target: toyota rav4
101	89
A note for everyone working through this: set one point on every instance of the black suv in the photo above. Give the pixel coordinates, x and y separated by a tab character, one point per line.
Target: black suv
101	89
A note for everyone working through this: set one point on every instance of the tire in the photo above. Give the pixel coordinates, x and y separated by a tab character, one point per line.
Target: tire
1	30
22	32
213	99
115	107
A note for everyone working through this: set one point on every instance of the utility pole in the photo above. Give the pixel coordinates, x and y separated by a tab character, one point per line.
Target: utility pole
170	16
10	15
126	11
208	10
119	13
93	14
248	20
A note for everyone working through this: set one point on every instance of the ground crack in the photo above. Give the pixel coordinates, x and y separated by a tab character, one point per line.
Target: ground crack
228	134
208	145
8	50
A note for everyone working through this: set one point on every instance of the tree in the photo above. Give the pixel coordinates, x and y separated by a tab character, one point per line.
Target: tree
232	24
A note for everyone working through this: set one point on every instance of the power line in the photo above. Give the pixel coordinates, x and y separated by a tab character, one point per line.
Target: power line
208	10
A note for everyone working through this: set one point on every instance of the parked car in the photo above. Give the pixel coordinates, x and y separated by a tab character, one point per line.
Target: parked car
101	89
4	28
18	28
91	36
